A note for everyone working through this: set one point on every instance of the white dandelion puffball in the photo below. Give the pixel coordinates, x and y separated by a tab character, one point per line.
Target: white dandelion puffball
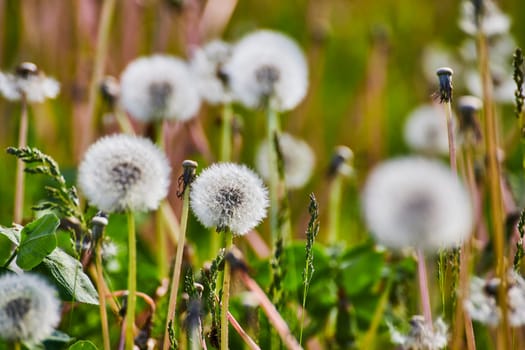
267	64
159	87
206	64
29	308
503	84
28	81
124	172
416	202
426	130
421	336
492	22
229	196
298	160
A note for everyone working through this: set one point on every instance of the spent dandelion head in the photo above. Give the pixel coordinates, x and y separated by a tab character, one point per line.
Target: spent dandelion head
416	202
502	83
267	66
341	162
426	130
206	64
29	308
469	128
298	160
445	84
124	172
159	87
28	82
110	90
421	335
229	196
484	16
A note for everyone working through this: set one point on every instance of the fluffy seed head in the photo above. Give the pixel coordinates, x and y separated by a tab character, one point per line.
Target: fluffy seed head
30	82
159	87
268	65
298	159
206	65
29	308
426	130
122	172
421	335
415	202
229	196
485	17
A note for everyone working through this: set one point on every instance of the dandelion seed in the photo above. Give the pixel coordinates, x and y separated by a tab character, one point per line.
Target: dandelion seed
485	16
229	196
415	202
207	64
426	130
266	65
122	172
482	306
30	82
159	87
298	159
421	335
29	308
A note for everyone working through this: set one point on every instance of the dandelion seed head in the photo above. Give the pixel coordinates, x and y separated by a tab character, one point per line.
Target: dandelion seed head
29	308
229	196
124	172
159	87
268	65
503	84
421	335
486	17
298	159
426	130
206	64
416	202
30	82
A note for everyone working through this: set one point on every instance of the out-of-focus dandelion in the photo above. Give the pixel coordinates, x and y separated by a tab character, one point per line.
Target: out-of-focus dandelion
415	202
502	82
481	304
206	64
123	172
267	66
29	83
469	128
29	308
426	130
298	160
159	87
229	197
483	16
421	336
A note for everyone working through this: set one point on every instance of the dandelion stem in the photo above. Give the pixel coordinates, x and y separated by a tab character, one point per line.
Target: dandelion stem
102	296
493	176
226	133
160	231
22	142
132	281
423	287
17	346
225	299
178	266
451	142
334	209
242	333
123	121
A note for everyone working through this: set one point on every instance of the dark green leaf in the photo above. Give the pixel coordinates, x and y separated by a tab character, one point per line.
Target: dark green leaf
73	282
83	345
38	241
6	247
13	234
352	265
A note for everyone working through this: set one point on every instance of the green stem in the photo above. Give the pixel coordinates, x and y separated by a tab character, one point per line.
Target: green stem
160	231
132	281
19	185
17	345
225	299
102	297
123	121
494	176
226	133
178	266
334	209
368	339
274	183
451	143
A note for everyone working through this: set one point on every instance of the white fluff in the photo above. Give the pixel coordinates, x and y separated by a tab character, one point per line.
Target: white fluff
426	130
416	202
267	64
124	172
229	196
36	88
159	87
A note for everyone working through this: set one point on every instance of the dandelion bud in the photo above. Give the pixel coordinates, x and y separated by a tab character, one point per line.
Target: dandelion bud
26	69
445	84
110	89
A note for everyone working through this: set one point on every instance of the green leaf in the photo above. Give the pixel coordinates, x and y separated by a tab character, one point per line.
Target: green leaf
38	241
352	265
13	234
73	283
83	345
6	247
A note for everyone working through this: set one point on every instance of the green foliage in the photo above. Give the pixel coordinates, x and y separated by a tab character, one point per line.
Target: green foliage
38	241
83	345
